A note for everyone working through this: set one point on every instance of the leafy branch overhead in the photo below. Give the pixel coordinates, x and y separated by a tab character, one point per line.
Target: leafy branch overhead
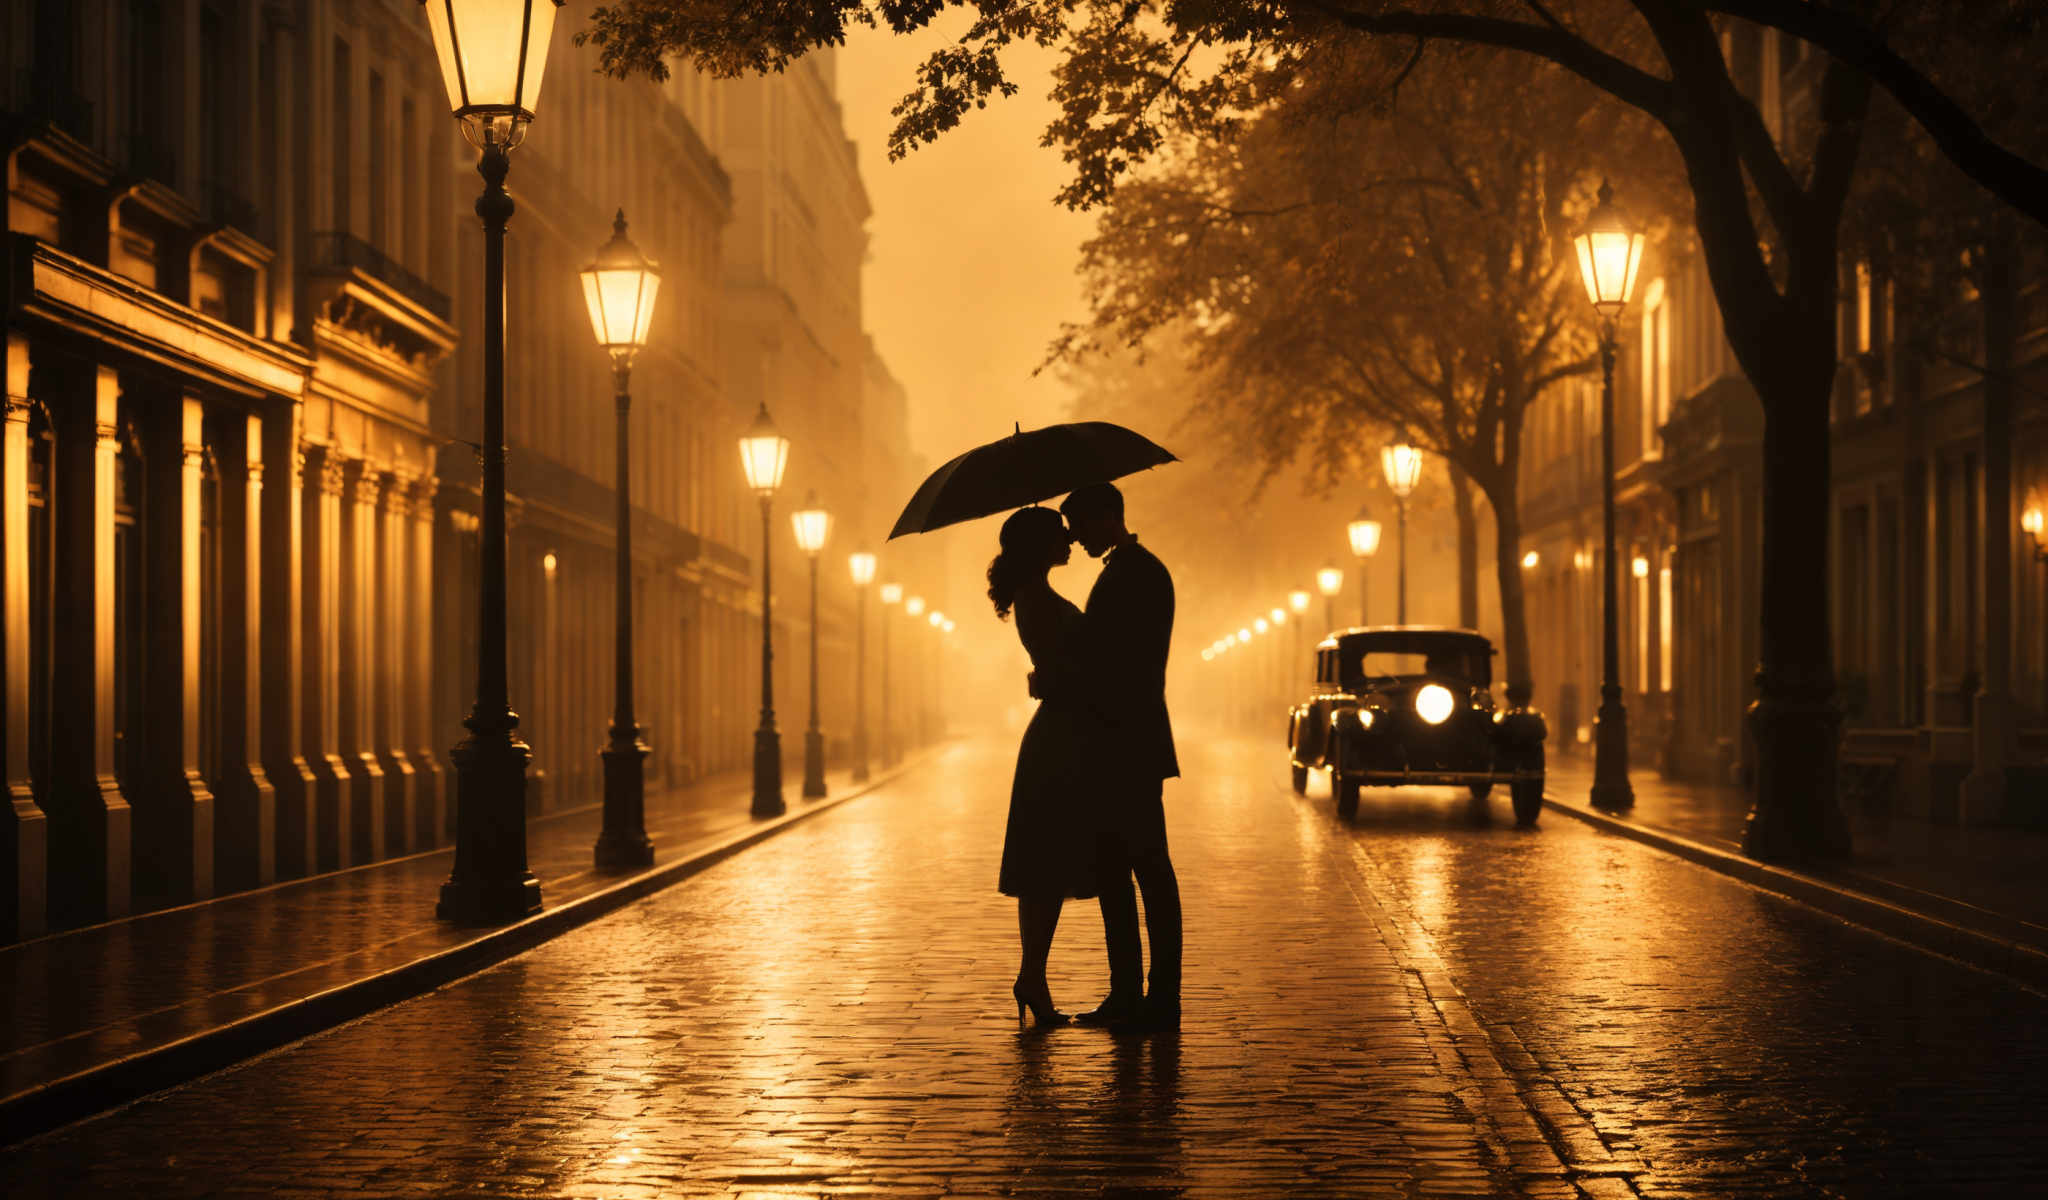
1138	73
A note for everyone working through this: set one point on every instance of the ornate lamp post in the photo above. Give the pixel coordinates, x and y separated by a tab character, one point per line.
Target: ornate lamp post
492	54
1298	601
1365	542
1402	465
934	711
861	565
763	454
619	288
892	595
1277	618
1330	581
813	525
1610	252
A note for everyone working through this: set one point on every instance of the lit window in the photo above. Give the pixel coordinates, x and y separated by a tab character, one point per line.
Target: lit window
1656	391
1664	625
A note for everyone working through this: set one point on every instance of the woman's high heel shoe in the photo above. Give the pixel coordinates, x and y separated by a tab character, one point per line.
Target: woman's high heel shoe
1043	1014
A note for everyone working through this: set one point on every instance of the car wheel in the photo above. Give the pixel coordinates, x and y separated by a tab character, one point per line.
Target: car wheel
1528	796
1347	795
1298	776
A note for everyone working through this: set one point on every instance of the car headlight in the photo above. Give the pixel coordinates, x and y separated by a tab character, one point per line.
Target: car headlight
1434	703
1365	718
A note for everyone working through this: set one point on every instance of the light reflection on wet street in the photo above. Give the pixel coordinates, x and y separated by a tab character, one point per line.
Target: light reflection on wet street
1404	1005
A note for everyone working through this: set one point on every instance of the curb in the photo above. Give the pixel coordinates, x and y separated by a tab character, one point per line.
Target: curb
110	1085
2016	961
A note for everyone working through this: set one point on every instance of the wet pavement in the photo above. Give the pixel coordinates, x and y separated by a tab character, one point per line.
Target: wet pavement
1404	1005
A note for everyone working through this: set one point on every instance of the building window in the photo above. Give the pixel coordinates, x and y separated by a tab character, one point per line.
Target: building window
1656	393
1664	625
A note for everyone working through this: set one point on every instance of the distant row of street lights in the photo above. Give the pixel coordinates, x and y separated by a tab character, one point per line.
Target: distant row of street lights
492	54
1609	249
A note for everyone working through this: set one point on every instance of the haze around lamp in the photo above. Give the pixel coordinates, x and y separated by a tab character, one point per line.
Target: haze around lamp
1610	254
619	287
492	54
914	606
861	565
812	525
1365	537
1401	463
892	593
1329	581
764	453
1298	600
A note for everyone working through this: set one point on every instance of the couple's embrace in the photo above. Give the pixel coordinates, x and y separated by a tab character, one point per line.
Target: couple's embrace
1085	813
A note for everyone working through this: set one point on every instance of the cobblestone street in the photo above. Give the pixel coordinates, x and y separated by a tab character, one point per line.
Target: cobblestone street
1404	1005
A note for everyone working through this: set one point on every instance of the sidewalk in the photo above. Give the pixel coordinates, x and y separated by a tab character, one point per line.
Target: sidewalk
92	1017
1979	894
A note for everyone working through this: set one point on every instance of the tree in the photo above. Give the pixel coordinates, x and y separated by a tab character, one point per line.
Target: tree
1359	278
1767	212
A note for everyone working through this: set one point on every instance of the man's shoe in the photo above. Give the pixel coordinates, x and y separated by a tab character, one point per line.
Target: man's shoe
1155	1015
1113	1010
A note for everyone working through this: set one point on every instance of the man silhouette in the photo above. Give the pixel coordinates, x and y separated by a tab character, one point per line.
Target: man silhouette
1129	627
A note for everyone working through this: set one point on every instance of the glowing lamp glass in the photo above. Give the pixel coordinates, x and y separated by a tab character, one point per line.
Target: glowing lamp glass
2033	522
548	562
936	618
1277	616
1434	703
764	453
892	593
914	606
1530	560
812	525
1329	581
861	565
1610	254
1640	567
1208	653
492	54
1244	636
1298	600
1260	626
1365	537
1401	463
948	626
619	288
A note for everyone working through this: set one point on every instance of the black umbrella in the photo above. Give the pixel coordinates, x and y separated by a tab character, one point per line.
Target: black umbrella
1026	468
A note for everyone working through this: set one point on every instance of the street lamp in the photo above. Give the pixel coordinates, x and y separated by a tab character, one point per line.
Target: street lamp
1365	542
1298	601
764	453
914	608
1610	253
861	565
2033	524
1329	581
1401	463
619	288
492	54
892	595
813	525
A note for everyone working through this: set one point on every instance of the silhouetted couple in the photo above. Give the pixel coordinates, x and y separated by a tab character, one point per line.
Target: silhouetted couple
1085	812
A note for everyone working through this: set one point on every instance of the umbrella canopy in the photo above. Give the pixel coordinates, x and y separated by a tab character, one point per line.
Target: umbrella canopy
1026	468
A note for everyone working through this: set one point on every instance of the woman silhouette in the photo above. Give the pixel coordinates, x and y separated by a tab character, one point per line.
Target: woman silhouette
1048	850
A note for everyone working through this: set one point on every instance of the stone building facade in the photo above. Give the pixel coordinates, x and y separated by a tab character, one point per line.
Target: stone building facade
1922	598
237	499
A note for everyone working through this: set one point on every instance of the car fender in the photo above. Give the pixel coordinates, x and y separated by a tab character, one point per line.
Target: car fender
1521	726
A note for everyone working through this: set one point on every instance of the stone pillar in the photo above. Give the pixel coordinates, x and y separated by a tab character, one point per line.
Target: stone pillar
391	698
320	645
418	582
89	819
173	805
280	702
24	833
356	696
245	821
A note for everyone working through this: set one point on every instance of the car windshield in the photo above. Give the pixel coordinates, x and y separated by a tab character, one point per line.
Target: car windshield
1469	663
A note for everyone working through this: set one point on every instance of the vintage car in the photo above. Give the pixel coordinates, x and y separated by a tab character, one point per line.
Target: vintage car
1413	704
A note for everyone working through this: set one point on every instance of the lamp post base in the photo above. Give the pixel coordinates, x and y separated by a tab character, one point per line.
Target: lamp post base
814	764
490	884
1611	790
624	842
768	774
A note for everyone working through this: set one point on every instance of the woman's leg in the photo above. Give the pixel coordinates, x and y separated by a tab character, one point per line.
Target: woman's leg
1038	917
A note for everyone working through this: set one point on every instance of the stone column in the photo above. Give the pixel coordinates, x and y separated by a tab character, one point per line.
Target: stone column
280	702
418	581
245	822
320	644
24	833
173	805
89	818
356	696
391	698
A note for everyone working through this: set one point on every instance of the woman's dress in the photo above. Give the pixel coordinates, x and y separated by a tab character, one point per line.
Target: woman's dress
1049	848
